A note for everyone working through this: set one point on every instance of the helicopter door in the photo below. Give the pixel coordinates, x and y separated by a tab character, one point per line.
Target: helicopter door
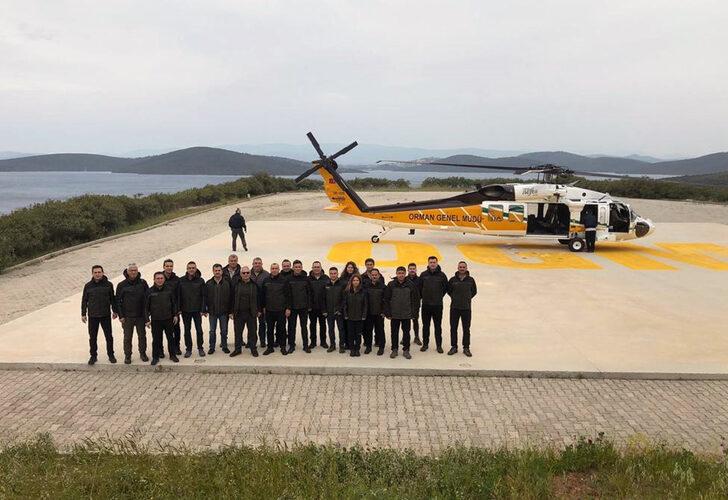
603	215
618	218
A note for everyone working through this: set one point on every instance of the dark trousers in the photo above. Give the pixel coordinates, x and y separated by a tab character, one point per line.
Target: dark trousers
240	322
128	327
405	324
354	331
300	315
276	328
176	337
93	333
591	240
160	327
416	325
463	316
335	321
188	318
434	314
261	330
238	233
314	318
374	323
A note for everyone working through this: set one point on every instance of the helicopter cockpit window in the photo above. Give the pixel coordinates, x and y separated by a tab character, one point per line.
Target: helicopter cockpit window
619	218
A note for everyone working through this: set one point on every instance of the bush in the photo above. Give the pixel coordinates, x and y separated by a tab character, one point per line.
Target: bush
52	225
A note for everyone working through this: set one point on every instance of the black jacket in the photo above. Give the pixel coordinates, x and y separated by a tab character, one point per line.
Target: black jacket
461	291
161	304
259	278
275	293
247	299
173	284
354	304
192	293
416	281
401	299
433	286
318	291
237	221
333	292
299	291
218	297
130	297
375	296
590	220
235	276
97	300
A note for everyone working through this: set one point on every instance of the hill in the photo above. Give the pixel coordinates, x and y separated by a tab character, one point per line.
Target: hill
196	160
716	179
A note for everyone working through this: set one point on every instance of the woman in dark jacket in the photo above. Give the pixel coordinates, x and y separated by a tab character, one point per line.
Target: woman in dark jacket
350	270
354	308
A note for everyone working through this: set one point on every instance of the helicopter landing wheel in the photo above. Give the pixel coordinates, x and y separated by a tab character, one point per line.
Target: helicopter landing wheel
375	239
576	245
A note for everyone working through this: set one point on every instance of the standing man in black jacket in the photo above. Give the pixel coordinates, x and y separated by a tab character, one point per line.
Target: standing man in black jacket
589	218
218	303
245	312
162	314
400	305
333	293
98	305
299	291
258	276
171	281
374	323
232	270
433	287
238	229
130	297
316	316
462	289
414	277
191	304
275	308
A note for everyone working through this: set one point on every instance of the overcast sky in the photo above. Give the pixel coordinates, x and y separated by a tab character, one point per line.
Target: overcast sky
617	76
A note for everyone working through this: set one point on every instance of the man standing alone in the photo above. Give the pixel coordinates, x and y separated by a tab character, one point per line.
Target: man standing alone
461	289
590	228
238	229
97	304
130	296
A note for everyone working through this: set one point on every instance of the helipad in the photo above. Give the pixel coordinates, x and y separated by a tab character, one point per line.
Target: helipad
654	308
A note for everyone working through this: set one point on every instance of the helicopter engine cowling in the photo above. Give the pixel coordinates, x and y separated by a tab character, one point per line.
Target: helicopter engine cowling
538	192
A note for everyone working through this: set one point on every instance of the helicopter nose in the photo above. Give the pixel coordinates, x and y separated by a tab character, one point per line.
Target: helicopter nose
643	227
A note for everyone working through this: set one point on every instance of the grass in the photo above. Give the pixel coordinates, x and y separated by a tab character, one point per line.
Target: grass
590	468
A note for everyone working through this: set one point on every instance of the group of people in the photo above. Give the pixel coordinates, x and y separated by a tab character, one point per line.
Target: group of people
336	310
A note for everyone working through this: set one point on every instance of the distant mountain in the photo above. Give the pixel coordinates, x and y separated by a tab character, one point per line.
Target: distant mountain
645	158
363	154
197	160
708	164
5	155
716	179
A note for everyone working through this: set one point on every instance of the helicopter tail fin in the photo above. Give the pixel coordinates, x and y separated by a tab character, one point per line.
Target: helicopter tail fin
344	198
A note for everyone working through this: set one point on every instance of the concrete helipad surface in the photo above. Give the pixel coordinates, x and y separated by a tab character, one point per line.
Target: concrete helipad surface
654	308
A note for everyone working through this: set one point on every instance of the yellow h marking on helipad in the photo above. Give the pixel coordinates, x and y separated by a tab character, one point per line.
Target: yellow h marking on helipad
526	258
404	252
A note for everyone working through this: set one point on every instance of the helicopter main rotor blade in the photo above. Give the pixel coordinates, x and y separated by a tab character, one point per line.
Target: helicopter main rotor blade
316	146
344	150
447	164
606	176
307	173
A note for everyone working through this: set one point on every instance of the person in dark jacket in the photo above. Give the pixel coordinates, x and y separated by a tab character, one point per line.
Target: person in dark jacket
191	304
462	289
286	269
162	313
316	317
245	312
232	270
433	287
218	304
415	278
400	305
375	313
366	276
238	229
171	280
350	269
130	297
257	276
354	306
299	291
333	293
98	306
589	219
276	308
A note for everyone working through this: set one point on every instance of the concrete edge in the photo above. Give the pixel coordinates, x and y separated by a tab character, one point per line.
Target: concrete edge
359	371
113	237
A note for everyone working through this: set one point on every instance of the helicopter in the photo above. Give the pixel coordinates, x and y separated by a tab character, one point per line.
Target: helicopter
544	210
